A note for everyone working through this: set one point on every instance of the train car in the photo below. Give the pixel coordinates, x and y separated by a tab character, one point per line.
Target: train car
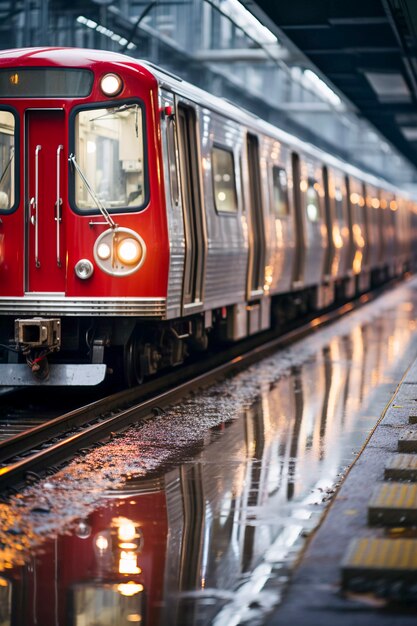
141	218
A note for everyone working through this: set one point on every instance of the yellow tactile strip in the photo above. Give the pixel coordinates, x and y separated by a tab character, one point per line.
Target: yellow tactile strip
401	467
386	559
393	504
408	443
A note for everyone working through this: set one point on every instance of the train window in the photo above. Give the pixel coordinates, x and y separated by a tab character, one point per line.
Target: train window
172	161
280	192
45	83
109	152
312	201
224	184
339	205
7	161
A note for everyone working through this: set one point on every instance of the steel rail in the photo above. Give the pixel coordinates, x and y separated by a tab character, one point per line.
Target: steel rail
15	469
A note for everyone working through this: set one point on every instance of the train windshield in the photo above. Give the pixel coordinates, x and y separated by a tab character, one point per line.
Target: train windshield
109	151
7	160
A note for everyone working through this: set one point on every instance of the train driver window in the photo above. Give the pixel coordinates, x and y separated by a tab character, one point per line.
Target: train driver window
7	161
109	153
312	201
224	184
280	192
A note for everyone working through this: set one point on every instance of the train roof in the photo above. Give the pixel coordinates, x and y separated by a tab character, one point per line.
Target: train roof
64	57
226	108
87	57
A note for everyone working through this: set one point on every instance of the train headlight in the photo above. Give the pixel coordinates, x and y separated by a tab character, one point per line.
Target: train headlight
104	251
84	269
129	251
119	251
111	84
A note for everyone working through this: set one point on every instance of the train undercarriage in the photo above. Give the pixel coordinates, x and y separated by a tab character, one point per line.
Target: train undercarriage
85	351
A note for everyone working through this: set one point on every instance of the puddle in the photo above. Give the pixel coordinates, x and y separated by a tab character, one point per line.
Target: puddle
221	493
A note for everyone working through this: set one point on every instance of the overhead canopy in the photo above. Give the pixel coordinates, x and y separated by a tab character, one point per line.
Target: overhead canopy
366	48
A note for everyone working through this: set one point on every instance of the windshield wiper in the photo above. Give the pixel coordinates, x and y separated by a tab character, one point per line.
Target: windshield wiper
122	107
93	194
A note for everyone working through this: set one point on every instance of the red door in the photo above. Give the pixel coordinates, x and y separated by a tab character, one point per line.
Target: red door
45	164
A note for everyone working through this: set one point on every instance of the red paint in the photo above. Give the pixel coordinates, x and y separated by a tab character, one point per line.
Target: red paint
45	589
45	132
50	129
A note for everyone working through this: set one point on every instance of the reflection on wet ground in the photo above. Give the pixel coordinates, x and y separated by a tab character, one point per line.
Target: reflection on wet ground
213	537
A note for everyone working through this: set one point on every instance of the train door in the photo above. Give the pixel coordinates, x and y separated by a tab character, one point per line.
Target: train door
299	228
192	206
256	270
44	166
310	223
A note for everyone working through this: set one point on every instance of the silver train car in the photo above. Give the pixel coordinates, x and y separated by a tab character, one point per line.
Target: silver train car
215	225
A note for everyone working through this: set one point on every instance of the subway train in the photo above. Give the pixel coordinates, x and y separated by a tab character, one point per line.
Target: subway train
143	219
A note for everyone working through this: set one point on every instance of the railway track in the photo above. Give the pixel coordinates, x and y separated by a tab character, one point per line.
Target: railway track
28	454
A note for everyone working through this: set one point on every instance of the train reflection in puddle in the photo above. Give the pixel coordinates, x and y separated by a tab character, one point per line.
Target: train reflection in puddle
184	548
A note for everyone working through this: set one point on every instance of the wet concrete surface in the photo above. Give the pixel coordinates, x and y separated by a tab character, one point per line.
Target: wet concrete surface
199	516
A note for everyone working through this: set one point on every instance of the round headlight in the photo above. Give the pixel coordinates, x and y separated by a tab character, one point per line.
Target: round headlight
103	251
129	251
111	84
119	251
84	269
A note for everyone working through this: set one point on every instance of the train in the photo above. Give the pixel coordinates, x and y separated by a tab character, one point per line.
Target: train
143	220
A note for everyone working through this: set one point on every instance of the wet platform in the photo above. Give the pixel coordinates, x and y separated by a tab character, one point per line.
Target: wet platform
198	517
361	565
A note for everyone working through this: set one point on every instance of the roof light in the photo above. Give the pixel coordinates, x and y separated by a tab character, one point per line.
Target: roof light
321	87
111	84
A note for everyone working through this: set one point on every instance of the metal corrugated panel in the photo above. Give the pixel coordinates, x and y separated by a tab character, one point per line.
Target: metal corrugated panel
227	246
51	304
175	228
174	292
225	278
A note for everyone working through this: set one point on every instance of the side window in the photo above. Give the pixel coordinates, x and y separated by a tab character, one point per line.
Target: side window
280	205
339	200
172	161
7	161
312	202
224	184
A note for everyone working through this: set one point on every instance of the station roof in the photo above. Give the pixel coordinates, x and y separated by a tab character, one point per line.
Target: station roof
366	48
341	75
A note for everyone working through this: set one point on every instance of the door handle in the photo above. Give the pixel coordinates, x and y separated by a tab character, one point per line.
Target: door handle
58	204
34	205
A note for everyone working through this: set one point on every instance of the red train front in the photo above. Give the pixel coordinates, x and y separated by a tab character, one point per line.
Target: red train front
83	233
